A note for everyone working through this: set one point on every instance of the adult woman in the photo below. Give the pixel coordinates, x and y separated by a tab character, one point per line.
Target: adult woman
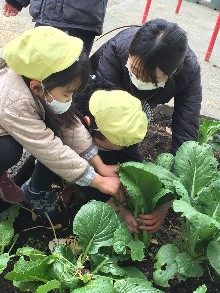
155	64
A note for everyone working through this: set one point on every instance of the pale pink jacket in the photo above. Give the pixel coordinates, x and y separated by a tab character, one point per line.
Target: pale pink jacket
20	118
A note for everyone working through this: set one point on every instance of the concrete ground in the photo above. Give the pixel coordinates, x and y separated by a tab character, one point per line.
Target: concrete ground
198	20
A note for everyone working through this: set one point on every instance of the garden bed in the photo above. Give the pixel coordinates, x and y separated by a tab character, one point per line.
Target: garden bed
37	233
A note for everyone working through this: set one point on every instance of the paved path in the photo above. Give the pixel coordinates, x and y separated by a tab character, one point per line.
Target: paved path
198	20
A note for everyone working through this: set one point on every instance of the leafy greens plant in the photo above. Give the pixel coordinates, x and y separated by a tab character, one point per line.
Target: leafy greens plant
8	236
207	133
103	239
148	185
198	191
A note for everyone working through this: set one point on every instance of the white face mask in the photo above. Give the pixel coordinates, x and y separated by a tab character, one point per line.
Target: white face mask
142	85
56	106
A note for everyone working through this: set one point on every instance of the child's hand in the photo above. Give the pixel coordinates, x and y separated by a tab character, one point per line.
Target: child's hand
9	10
103	169
153	221
108	171
109	185
129	220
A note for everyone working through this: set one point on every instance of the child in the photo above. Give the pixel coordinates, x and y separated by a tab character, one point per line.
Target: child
43	68
117	123
111	153
82	19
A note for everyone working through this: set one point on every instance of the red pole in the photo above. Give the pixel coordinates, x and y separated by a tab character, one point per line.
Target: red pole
213	39
147	8
178	6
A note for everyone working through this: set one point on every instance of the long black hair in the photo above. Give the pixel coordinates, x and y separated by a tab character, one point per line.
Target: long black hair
79	70
158	43
81	103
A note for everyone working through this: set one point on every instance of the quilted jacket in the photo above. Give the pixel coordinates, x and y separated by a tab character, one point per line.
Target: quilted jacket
20	117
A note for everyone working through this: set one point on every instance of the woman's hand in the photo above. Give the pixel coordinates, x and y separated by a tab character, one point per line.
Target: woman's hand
9	10
153	221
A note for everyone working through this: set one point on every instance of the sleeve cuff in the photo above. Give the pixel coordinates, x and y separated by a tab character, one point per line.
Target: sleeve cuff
15	4
93	151
87	177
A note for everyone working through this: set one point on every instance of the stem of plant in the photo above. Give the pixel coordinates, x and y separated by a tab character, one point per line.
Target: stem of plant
136	213
146	234
184	231
2	249
188	237
15	239
99	266
55	236
146	238
86	251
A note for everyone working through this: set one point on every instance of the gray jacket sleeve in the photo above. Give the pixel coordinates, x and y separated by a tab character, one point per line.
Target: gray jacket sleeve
18	4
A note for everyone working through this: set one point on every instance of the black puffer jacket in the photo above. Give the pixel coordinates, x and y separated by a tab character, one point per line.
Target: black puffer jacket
109	65
81	14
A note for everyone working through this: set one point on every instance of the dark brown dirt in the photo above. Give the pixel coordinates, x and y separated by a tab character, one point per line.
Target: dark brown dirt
158	140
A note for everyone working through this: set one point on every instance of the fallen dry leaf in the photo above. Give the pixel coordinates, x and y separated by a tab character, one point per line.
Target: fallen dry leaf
168	130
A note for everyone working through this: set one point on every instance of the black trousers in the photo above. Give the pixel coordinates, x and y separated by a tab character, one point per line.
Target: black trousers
10	154
86	36
42	177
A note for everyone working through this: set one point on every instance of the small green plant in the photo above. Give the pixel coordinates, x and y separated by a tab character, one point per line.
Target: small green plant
207	133
148	185
102	237
198	189
7	234
201	289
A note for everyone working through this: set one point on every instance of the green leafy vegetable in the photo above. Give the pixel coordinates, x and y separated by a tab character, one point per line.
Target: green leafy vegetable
95	224
4	258
133	285
165	160
50	285
195	166
145	189
123	239
213	253
171	262
201	289
207	129
98	285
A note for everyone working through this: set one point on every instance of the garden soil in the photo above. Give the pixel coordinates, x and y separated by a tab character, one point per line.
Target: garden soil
37	232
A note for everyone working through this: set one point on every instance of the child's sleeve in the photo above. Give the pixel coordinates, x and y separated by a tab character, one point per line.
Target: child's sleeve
18	4
79	139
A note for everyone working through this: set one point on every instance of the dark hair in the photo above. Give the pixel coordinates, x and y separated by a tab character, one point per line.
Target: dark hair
2	63
78	70
158	43
81	102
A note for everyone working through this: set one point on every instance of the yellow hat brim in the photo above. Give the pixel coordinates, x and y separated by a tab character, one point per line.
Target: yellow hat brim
42	51
118	116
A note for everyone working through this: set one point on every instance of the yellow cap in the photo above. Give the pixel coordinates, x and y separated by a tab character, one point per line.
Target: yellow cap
41	51
119	116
